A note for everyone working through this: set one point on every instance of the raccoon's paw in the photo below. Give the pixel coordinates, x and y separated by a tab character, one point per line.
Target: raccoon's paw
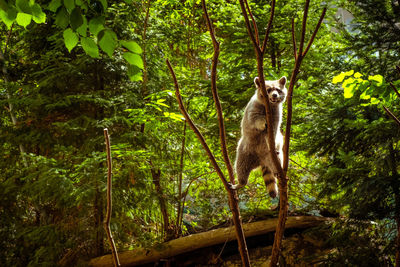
235	186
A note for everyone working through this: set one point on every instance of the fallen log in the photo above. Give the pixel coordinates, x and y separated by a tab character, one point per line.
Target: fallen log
201	240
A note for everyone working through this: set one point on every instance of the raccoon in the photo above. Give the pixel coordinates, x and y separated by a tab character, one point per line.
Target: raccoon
253	150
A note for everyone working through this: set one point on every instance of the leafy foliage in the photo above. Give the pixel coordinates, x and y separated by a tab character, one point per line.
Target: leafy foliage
75	67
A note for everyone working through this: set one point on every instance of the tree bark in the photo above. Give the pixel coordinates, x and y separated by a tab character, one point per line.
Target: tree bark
107	220
201	240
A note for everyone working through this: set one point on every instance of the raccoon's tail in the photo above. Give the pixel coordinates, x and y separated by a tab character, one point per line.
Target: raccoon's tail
270	182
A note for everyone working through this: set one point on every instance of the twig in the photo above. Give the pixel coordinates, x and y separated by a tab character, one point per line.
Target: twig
222	133
283	188
395	90
315	32
392	115
294	40
254	22
195	129
232	194
269	27
109	201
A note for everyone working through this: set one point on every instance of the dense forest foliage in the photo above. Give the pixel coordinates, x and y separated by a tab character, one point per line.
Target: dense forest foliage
70	68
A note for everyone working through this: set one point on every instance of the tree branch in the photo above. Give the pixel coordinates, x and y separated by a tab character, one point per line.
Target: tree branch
315	32
294	40
232	194
269	27
254	22
249	31
392	115
109	201
222	132
195	129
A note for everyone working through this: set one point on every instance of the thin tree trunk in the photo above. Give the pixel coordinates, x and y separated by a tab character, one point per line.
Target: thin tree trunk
10	105
180	196
106	222
98	217
156	174
144	45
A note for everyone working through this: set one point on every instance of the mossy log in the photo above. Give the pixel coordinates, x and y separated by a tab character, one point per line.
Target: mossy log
201	240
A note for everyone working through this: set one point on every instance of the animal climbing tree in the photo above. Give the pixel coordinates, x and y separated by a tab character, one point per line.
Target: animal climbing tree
260	49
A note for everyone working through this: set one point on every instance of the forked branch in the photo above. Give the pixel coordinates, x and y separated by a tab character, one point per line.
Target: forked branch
298	55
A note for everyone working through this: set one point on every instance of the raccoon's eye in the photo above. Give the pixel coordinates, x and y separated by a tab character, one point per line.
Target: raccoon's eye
269	90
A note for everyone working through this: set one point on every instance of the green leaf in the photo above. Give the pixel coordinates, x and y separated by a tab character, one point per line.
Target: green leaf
70	39
132	46
90	47
365	96
23	6
134	73
76	19
54	5
339	78
108	42
9	16
24	19
38	15
357	75
377	78
349	86
133	59
374	101
104	4
82	30
62	18
70	5
96	25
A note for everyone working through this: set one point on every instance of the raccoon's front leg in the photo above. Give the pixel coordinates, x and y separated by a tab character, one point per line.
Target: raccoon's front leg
270	181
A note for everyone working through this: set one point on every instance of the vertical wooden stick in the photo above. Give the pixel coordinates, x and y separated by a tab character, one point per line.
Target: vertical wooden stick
109	201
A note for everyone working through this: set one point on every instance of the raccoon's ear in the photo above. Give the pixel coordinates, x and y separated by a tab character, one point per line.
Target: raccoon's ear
282	81
257	82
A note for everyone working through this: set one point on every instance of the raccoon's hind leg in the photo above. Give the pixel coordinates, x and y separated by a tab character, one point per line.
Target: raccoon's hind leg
270	181
245	163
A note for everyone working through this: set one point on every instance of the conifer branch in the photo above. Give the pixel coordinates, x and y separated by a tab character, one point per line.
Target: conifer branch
109	201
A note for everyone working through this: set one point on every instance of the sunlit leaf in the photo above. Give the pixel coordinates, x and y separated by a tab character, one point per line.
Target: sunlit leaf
96	25
70	39
90	47
108	42
131	46
23	19
133	59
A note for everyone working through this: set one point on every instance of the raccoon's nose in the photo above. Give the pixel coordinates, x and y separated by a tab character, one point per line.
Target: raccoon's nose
274	95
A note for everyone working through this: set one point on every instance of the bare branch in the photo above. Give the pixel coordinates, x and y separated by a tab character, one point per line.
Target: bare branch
294	40
392	115
222	132
254	22
109	201
395	89
269	27
304	26
315	32
196	130
249	31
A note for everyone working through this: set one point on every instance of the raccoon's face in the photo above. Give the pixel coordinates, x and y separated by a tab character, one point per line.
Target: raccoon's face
276	90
